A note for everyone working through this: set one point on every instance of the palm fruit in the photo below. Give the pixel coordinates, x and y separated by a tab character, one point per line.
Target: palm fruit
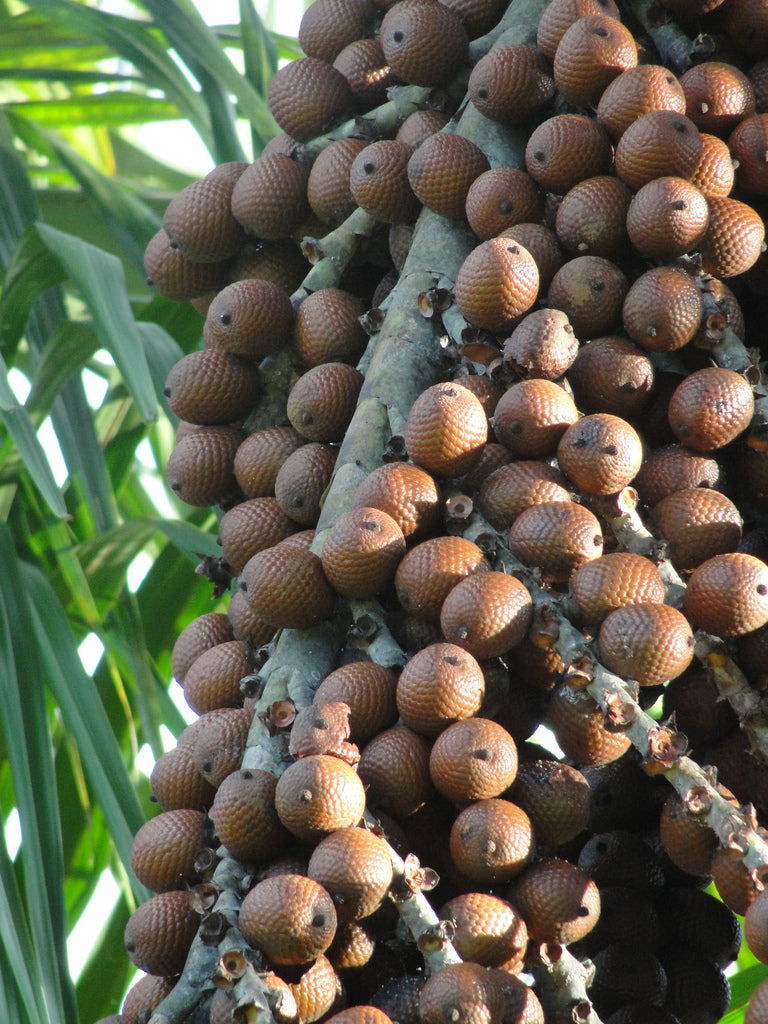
734	239
307	96
716	172
473	759
698	523
463	992
687	839
728	594
591	219
363	64
566	149
542	244
702	922
700	715
431	569
600	453
556	797
663	309
164	849
746	142
441	171
198	220
250	527
144	996
270	199
318	794
250	318
378	181
577	722
302	480
355	867
531	417
446	430
557	536
259	457
647	642
176	782
615	580
360	1015
558	901
511	84
619	857
244	816
623	974
160	931
673	468
698	991
499	198
514	487
287	587
439	685
247	624
489	930
322	401
328	191
317	991
213	679
328	328
636	92
211	388
590	290
327	26
710	408
280	263
361	552
200	469
590	54
487	614
368	690
662	142
220	739
611	374
421	125
290	918
394	768
491	841
405	492
175	277
424	43
667	218
718	96
559	15
497	282
199	635
322	729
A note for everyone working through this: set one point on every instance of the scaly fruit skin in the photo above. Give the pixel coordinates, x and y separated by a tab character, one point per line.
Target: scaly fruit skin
439	685
291	918
244	816
318	794
728	595
164	849
487	614
361	552
355	867
492	840
160	931
446	430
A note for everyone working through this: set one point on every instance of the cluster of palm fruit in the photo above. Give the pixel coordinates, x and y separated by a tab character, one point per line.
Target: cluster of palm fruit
574	495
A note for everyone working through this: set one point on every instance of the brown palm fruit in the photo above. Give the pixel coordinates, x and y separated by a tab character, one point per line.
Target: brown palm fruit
363	64
758	77
663	309
164	849
740	771
290	918
394	767
494	456
160	931
701	921
212	388
424	43
246	624
431	569
360	1015
591	219
281	263
355	867
618	857
328	191
474	759
755	929
175	277
399	998
405	492
318	794
352	947
361	552
323	729
542	244
556	797
514	487
697	522
328	328
441	171
316	993
322	401
590	290
733	880
497	282
421	125
369	691
200	469
287	587
734	239
579	728
439	685
491	841
611	375
636	92
270	198
622	794
224	1008
446	430
302	480
559	15
642	1013
378	180
695	702
558	901
556	536
219	742
213	679
244	816
499	198
543	345
199	635
667	218
647	642
250	318
250	527
747	143
511	84
718	96
757	1010
600	453
144	996
487	614
566	149
613	581
747	26
198	220
532	416
715	173
673	468
478	16
489	930
327	26
687	839
462	992
660	143
698	991
710	408
728	594
175	781
487	391
623	974
590	54
307	96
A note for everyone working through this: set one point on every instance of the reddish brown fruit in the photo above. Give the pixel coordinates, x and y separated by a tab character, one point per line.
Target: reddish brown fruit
565	150
198	220
591	290
591	219
144	996
328	327
302	480
710	408
747	26
728	595
424	43
322	401
688	840
674	468
559	15
511	84
244	816
177	783
363	64
327	26
200	469
446	430
661	143
441	171
698	523
649	643
175	277
748	143
637	92
491	841
718	96
514	487
369	691
260	456
601	453
489	931
756	927
715	174
590	54
577	722
542	244
420	125
556	797
291	918
611	375
430	570
355	867
699	713
474	759
667	218
487	614
557	536
438	686
307	96
328	191
406	493
613	581
361	552
757	1011
532	416
543	345
663	309
734	239
318	794
462	992
287	587
360	1015
198	636
211	388
213	680
164	849
500	198
497	282
250	318
378	180
219	742
558	901
160	931
281	263
270	199
246	624
394	768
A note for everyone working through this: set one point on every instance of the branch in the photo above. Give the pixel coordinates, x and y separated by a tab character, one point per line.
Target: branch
675	49
562	982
